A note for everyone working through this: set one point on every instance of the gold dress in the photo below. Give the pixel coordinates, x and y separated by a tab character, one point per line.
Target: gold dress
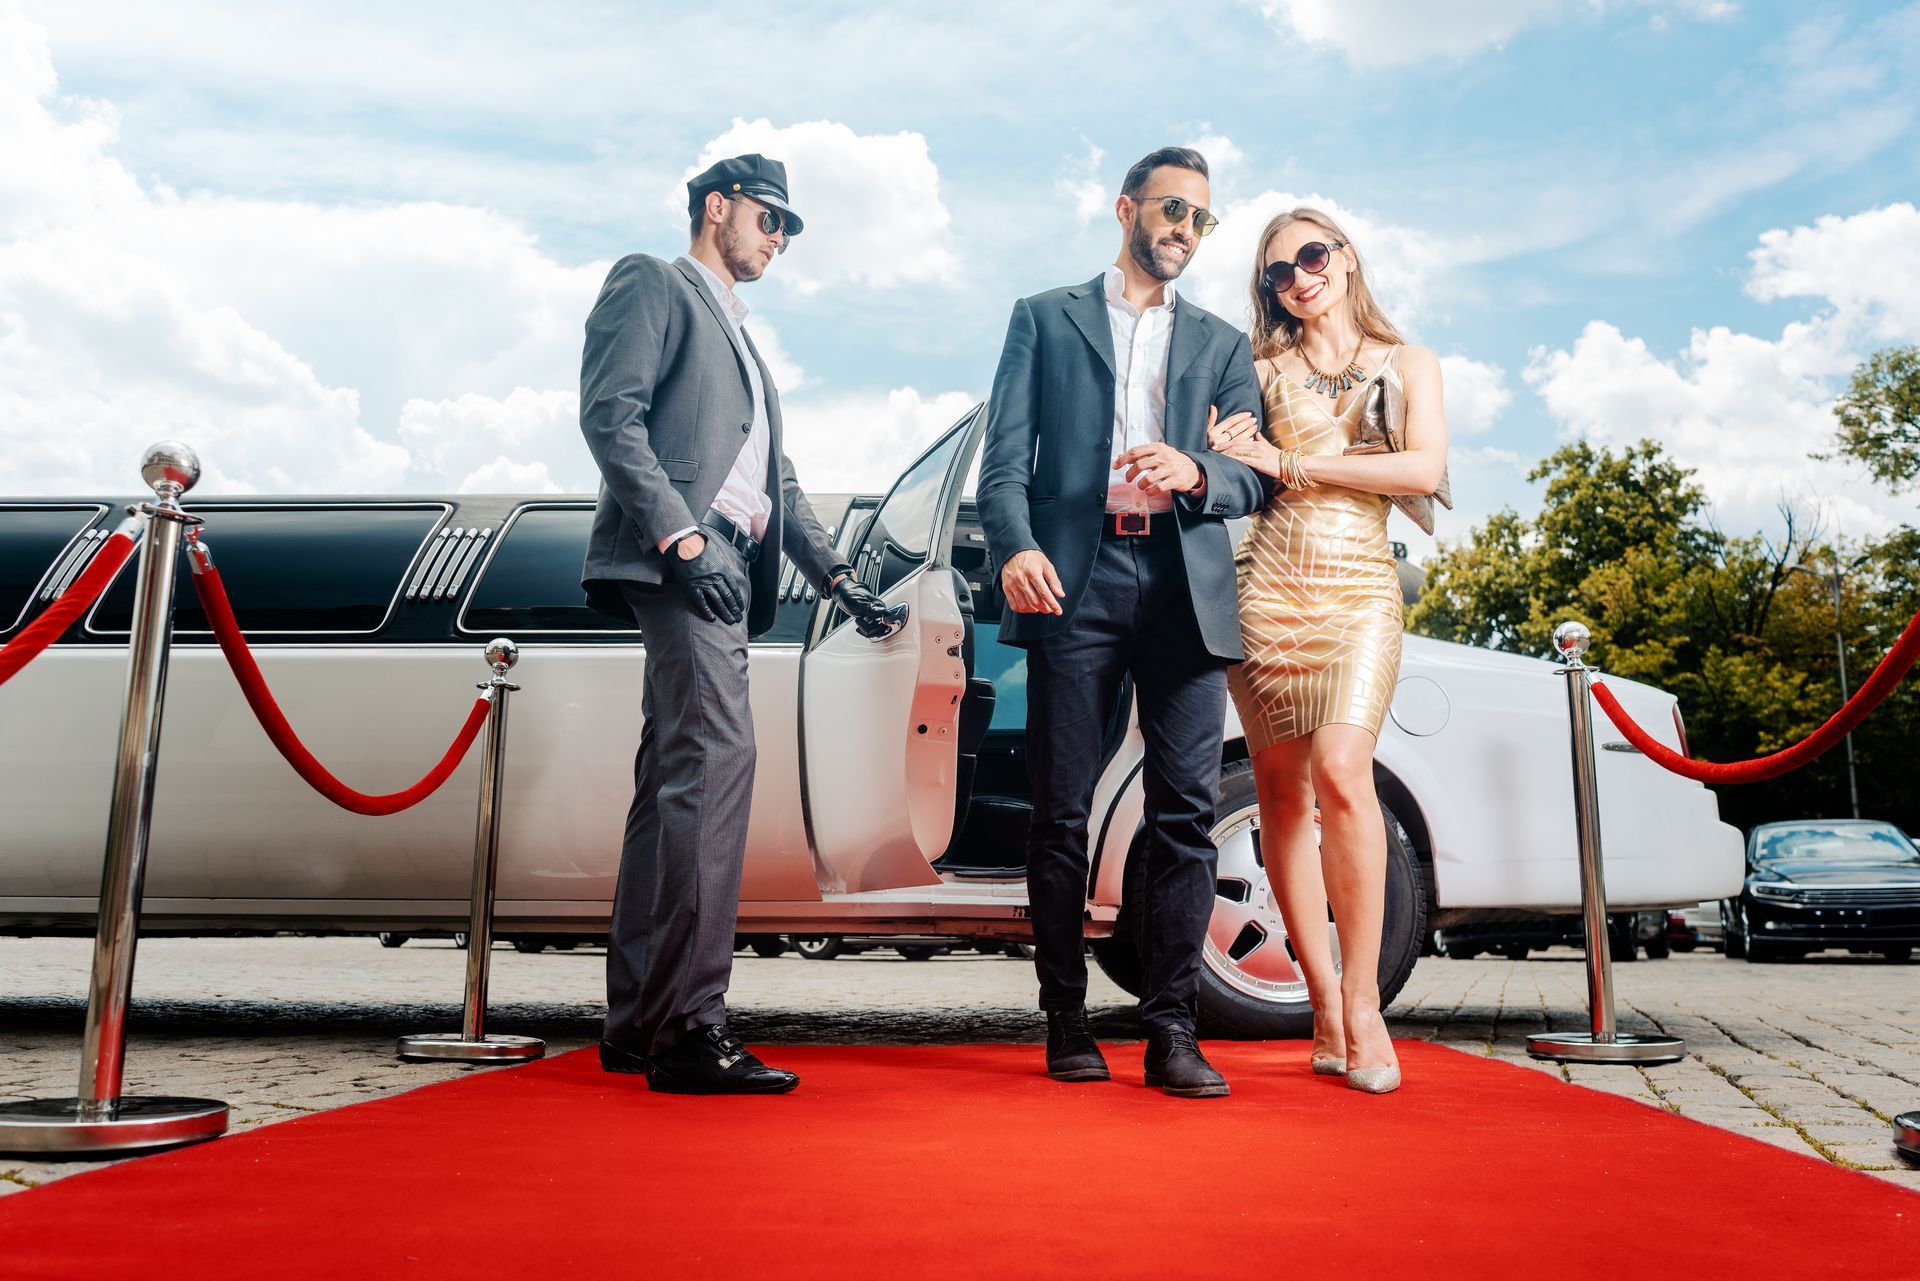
1320	602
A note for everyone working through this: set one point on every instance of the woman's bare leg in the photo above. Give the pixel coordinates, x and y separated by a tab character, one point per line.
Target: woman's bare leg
1282	777
1353	858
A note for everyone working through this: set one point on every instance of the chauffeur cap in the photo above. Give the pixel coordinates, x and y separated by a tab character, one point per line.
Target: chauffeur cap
750	175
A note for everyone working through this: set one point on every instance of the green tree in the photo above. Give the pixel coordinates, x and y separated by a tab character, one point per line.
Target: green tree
1880	416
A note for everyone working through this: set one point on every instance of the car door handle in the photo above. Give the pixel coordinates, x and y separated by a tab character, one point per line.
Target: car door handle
893	620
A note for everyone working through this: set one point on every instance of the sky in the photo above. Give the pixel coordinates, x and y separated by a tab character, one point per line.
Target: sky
349	247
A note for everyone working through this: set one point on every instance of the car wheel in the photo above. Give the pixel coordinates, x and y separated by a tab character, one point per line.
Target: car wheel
1459	952
1019	951
1620	943
532	947
1759	953
460	941
1683	945
1898	955
1733	938
918	951
1515	951
1658	947
767	945
1250	983
818	947
389	939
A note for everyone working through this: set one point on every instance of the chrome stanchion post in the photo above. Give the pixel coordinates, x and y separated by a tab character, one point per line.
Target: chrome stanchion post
101	1121
472	1044
1604	1044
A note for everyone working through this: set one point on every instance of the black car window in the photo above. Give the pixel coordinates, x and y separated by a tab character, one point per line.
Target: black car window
295	569
531	583
30	539
1882	843
897	543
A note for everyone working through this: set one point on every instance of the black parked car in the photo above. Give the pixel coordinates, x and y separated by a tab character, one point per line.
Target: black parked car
1852	883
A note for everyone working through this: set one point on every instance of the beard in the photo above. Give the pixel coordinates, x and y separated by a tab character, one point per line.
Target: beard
740	263
1151	258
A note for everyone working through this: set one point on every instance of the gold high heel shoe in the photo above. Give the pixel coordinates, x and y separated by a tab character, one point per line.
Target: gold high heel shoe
1328	1065
1380	1080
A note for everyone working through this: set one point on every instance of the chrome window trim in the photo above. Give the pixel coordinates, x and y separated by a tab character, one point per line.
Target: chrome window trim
445	510
499	540
83	534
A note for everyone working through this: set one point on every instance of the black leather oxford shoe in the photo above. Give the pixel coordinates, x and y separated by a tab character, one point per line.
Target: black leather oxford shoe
1175	1065
1072	1053
615	1057
711	1060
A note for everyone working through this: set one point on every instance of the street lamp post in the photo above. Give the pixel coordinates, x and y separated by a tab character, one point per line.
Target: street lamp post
1835	578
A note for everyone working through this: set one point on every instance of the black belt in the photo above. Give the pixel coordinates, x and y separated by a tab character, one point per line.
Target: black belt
742	541
1136	524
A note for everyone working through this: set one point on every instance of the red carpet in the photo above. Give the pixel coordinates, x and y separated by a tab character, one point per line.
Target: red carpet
964	1162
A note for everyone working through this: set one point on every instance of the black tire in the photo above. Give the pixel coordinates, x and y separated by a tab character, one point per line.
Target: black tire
918	951
817	947
1620	942
1683	945
389	939
532	947
1459	952
767	945
1515	951
1020	951
1898	955
1229	1012
1733	939
1759	953
460	940
1659	947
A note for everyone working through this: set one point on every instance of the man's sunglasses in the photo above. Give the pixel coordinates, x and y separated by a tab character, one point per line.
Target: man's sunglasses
1313	257
771	222
1176	209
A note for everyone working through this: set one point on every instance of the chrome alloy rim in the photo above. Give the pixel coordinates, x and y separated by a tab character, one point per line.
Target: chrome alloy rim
1246	945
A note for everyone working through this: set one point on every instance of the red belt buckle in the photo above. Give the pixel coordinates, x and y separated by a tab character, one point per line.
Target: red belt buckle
1130	524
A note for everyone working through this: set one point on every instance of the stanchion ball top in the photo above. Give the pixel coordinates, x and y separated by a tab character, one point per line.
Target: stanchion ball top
502	653
1571	640
170	468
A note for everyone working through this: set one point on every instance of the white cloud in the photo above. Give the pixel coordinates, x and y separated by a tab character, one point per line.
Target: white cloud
859	442
1375	33
1081	183
1747	411
1476	394
486	444
1402	263
871	203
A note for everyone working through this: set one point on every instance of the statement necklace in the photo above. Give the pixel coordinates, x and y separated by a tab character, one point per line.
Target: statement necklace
1333	384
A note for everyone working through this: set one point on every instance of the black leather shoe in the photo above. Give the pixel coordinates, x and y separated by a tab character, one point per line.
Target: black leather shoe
710	1060
615	1057
1175	1065
1072	1053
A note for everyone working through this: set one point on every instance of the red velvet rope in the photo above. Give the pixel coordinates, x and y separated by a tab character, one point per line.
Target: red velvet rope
80	594
213	599
1892	668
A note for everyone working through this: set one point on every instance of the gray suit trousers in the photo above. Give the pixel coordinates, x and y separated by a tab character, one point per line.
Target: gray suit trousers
670	946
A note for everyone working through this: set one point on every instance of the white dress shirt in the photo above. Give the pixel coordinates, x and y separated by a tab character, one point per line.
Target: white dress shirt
743	495
1141	344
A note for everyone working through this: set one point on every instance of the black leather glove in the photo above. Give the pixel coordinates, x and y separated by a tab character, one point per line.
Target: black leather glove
716	591
869	613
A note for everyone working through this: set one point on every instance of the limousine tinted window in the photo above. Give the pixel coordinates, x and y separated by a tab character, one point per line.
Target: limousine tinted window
296	569
30	539
896	543
531	583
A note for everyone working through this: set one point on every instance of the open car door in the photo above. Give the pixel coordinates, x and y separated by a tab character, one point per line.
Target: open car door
880	719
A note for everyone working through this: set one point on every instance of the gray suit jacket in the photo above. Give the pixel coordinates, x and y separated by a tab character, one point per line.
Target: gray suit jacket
665	406
1043	476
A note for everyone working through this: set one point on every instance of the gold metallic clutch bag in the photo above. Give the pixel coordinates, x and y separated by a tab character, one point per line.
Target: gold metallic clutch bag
1383	430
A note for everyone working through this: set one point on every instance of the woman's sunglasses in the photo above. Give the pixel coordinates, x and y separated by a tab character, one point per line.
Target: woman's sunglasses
771	223
1313	257
1176	209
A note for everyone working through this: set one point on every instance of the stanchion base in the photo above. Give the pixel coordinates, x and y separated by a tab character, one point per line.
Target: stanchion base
432	1047
1906	1134
56	1127
1580	1047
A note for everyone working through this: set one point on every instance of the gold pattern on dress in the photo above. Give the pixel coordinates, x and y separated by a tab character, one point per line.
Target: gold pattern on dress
1320	602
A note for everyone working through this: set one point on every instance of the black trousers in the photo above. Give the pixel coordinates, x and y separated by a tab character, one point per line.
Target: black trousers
1136	618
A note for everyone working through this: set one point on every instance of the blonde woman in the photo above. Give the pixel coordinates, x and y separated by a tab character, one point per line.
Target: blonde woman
1320	613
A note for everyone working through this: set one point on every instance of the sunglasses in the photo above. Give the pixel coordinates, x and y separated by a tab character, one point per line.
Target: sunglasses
771	222
1176	209
1314	257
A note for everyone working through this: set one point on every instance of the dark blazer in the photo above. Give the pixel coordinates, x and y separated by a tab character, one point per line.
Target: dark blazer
665	406
1048	457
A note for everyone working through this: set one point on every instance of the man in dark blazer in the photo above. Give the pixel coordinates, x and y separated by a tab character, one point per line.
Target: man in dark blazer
1104	510
697	503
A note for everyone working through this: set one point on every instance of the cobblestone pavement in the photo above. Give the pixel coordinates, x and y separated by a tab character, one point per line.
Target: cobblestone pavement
1815	1057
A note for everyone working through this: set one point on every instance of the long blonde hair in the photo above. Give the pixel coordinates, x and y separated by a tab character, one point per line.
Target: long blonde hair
1275	329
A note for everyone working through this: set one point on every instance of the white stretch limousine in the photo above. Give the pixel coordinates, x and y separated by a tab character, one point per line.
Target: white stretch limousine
892	793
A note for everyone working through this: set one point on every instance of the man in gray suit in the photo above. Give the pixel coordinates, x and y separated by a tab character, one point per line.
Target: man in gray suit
697	502
1104	509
